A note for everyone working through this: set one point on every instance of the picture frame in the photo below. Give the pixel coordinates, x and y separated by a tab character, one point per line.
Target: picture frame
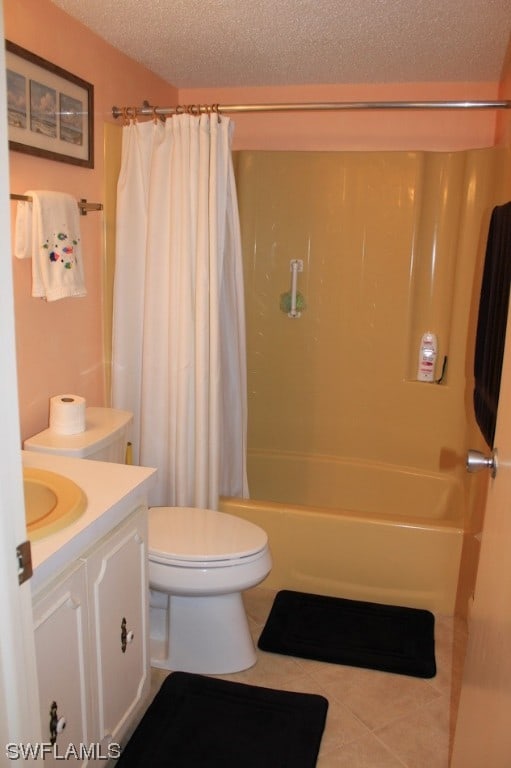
50	111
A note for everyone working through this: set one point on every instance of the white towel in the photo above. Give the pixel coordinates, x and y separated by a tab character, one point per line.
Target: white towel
48	229
23	231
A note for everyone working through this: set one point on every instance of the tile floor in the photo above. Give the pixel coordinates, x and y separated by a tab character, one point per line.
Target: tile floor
375	719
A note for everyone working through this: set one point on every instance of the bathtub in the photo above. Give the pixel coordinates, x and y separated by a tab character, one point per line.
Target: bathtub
358	530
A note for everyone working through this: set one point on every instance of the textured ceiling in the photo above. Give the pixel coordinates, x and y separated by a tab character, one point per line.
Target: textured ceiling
202	43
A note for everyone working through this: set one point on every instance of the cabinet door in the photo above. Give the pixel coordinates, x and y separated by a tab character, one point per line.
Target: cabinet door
118	598
61	640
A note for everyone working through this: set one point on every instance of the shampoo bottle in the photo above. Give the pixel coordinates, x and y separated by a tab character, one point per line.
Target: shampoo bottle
427	358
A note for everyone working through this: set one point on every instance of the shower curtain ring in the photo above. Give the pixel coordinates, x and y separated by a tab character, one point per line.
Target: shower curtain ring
131	114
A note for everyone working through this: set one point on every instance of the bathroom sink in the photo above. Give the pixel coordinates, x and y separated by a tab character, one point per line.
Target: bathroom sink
52	502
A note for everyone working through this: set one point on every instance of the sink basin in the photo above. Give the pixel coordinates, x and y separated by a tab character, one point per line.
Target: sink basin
52	502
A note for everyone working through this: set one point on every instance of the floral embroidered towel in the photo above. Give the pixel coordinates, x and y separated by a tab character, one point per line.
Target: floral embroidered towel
51	222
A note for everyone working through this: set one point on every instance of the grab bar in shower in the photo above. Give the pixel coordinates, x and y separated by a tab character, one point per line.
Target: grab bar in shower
295	265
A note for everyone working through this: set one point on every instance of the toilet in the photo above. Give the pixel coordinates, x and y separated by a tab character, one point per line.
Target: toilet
200	561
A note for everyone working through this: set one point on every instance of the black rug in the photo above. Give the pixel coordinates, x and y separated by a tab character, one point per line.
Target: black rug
385	637
201	722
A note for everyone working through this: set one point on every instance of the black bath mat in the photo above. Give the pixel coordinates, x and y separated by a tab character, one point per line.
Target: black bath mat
385	637
201	722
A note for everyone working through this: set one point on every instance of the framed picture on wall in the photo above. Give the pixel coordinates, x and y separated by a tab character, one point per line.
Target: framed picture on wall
50	111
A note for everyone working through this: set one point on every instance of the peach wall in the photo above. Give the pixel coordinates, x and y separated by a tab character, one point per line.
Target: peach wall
59	344
438	130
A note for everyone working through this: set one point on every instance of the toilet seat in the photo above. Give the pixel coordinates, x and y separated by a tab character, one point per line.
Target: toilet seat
189	537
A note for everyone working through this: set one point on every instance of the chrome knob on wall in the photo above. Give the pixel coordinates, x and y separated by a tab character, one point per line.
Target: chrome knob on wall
477	461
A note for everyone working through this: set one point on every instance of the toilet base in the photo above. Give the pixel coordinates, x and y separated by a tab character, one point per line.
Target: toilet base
206	635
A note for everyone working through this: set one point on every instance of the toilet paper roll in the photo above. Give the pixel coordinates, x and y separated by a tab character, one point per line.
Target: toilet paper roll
67	414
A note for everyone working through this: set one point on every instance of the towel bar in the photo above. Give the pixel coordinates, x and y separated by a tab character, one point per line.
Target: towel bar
83	205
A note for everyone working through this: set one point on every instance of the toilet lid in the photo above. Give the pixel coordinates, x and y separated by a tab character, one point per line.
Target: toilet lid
191	534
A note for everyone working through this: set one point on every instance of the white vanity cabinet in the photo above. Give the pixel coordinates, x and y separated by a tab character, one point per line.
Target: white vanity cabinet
92	646
118	607
63	662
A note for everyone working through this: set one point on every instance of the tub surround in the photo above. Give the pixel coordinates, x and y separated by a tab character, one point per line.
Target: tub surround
113	491
391	244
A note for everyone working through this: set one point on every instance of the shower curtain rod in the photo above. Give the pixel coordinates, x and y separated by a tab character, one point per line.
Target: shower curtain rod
332	106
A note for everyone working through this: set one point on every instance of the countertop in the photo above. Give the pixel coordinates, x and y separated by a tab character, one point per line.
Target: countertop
113	491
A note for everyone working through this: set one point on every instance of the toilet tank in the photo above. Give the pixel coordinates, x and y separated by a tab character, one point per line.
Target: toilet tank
105	437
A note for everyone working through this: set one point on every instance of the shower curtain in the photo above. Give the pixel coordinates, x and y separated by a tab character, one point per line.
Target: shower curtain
179	323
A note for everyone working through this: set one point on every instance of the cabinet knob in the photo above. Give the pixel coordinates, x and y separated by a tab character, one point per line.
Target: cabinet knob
57	724
127	635
61	724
